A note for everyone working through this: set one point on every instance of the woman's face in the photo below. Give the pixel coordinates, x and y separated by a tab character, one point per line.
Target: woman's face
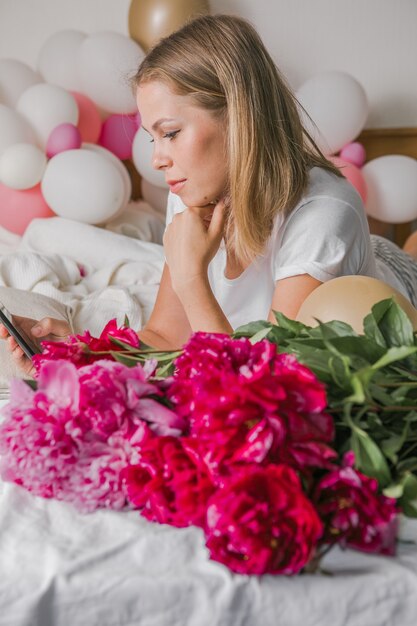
189	143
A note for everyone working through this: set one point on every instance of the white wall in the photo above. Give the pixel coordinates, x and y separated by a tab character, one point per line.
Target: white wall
374	40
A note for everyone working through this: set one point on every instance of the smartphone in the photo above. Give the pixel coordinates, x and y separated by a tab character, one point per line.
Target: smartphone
29	347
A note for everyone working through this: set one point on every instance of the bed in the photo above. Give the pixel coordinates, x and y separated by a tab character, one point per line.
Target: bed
61	568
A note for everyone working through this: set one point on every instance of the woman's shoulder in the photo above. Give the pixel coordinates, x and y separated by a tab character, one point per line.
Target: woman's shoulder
325	184
330	204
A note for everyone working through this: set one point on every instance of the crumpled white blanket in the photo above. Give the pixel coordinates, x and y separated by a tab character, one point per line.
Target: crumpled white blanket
99	273
61	568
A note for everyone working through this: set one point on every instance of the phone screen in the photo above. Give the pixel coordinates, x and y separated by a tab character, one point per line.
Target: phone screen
29	347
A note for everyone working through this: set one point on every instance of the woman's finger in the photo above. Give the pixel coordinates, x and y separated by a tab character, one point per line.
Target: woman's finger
218	220
51	327
20	359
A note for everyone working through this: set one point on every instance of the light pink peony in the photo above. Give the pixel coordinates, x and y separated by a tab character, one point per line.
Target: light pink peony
261	522
71	437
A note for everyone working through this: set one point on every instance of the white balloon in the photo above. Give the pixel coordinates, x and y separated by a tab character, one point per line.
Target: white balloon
13	129
22	166
83	185
142	151
127	182
157	197
106	62
58	59
45	107
391	183
338	106
15	78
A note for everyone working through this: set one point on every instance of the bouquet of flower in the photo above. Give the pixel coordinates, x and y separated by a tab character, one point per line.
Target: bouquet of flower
278	442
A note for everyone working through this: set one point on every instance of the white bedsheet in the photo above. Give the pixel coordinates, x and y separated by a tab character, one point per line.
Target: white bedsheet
60	568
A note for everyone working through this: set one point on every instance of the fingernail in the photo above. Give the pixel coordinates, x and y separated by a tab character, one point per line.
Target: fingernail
36	330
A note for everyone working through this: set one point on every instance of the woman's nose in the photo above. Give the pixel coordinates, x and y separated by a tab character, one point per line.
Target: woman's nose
160	159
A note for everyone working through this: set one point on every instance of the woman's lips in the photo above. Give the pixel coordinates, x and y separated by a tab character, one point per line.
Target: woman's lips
176	185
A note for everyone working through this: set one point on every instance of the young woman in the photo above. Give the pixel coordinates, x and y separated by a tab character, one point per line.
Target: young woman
257	217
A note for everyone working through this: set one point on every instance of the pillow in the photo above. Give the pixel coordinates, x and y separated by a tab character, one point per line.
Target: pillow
26	304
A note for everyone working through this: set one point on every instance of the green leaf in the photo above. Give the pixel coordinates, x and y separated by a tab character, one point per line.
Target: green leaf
130	361
408	501
394	354
122	344
393	323
407	465
335	328
126	322
249	330
393	444
371	330
288	324
369	458
33	384
261	334
395	490
359	346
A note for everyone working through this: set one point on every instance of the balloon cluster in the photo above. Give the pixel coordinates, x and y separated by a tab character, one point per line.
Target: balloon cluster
334	107
66	128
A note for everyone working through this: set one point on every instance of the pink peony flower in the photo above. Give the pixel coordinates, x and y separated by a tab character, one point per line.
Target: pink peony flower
248	404
261	522
114	396
354	513
170	483
85	349
71	438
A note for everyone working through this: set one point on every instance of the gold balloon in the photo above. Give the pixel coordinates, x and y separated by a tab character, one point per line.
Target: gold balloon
349	299
150	20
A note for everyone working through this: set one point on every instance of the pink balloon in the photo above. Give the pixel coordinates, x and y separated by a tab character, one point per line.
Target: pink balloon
19	208
89	120
117	134
353	175
63	137
354	153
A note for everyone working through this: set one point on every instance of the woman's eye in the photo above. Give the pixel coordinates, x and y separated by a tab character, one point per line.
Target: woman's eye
171	135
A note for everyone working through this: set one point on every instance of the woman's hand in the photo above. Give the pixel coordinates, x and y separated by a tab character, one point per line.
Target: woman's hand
192	240
46	329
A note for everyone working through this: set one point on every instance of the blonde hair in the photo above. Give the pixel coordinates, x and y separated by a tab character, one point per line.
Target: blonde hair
221	62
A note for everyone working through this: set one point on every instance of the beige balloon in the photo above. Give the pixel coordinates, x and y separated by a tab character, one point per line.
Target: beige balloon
150	20
349	299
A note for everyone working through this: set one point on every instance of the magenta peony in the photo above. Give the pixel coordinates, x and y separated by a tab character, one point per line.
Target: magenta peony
71	437
170	483
262	522
248	404
85	349
354	513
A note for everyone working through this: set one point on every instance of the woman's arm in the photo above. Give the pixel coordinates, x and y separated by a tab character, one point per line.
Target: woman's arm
201	307
290	294
168	327
190	242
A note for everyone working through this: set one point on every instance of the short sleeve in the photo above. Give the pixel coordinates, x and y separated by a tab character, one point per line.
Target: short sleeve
174	205
325	237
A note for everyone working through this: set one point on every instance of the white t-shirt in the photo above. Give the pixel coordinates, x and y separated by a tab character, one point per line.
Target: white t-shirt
325	236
